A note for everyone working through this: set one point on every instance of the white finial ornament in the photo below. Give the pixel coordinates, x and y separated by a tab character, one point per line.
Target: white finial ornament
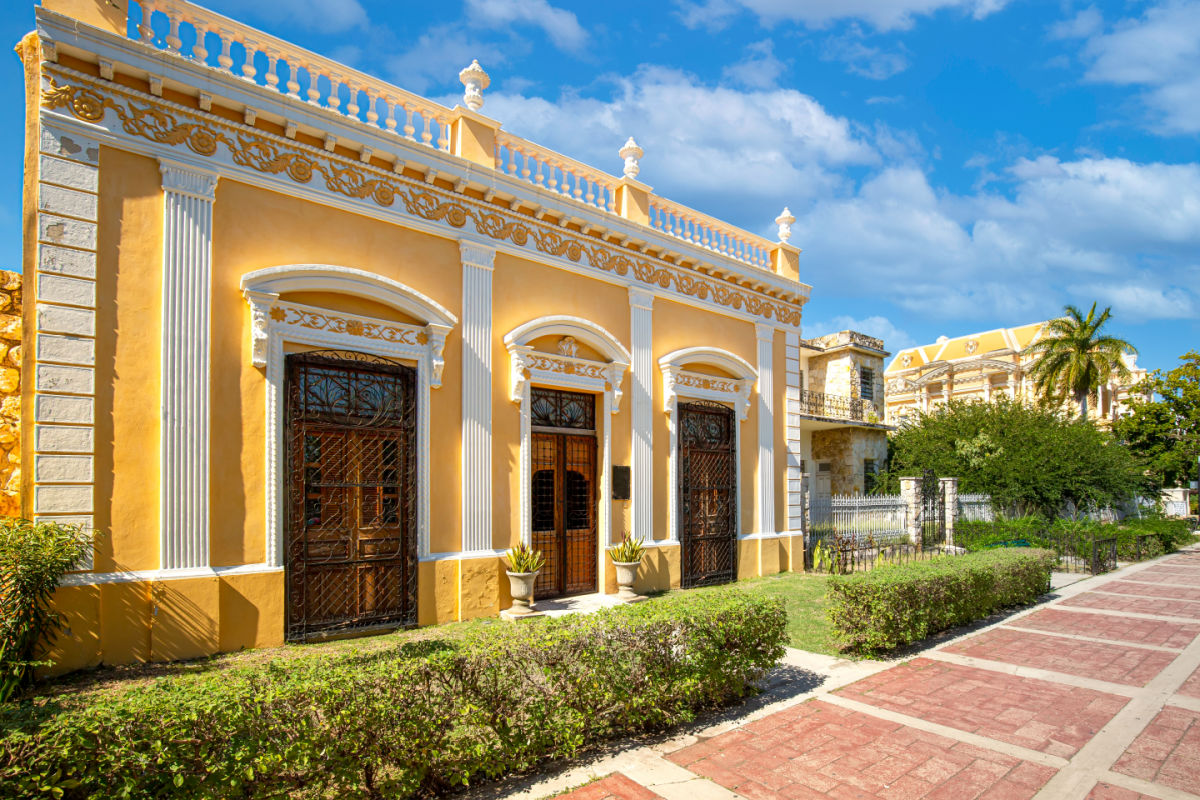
784	221
475	80
631	153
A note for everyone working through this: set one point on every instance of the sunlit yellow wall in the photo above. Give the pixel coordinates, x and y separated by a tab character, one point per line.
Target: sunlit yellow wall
128	374
677	326
287	230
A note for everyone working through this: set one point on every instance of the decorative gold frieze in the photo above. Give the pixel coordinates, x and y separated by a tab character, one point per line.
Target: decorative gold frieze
324	321
165	124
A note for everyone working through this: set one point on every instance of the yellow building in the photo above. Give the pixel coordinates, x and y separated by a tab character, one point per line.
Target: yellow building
312	351
980	366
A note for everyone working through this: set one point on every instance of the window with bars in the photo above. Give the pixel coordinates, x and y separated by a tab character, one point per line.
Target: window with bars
866	383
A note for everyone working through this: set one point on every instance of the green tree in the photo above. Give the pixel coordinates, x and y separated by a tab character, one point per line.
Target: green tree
1030	459
1075	358
1164	431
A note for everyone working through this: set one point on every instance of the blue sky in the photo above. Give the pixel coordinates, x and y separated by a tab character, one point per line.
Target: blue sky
954	165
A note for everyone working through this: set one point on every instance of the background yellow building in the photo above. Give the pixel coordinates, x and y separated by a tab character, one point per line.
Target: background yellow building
980	366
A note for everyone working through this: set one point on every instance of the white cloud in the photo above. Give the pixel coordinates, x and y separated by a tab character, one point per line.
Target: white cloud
437	56
560	26
1143	302
1087	22
1161	53
1037	233
1072	230
713	145
760	69
861	58
880	14
880	327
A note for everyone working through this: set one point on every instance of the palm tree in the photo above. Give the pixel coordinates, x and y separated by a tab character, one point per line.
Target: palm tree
1074	358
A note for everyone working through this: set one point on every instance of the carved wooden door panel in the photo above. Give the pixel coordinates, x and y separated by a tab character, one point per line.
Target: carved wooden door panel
564	492
352	493
707	493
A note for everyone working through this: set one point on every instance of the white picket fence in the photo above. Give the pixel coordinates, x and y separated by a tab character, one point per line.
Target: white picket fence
881	518
976	508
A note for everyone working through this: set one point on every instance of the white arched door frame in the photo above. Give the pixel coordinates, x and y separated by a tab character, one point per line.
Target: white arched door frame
564	371
734	392
275	322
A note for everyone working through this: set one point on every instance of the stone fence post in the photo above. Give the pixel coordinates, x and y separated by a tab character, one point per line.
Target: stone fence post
949	488
910	495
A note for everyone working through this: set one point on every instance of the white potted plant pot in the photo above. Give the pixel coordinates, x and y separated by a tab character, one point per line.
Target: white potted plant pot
520	584
626	574
626	558
525	563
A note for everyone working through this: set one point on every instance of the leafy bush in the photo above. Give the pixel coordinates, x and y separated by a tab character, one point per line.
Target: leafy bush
33	556
890	606
1028	459
1160	535
420	717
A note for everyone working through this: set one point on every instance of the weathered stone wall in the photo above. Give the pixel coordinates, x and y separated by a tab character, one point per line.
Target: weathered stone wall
10	393
845	449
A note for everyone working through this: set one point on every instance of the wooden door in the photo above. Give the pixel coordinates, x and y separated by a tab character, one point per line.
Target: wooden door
564	492
707	503
352	536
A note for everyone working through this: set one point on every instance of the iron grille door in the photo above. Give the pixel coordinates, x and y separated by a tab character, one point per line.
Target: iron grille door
352	493
707	493
933	511
564	491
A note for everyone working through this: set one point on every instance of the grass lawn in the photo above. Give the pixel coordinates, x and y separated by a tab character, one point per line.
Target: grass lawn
804	597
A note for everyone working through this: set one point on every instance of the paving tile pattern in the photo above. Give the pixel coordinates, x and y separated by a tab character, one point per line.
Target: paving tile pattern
614	787
1191	687
818	750
1040	715
1108	626
1153	590
1178	577
1106	791
1167	751
1106	662
1138	605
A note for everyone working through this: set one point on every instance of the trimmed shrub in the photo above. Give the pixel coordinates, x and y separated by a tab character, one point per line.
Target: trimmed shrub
422	717
1159	535
891	606
33	556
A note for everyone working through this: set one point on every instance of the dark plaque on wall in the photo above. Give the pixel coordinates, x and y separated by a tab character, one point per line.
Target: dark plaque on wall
620	483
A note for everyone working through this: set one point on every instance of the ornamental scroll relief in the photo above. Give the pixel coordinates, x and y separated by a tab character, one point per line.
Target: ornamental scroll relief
173	126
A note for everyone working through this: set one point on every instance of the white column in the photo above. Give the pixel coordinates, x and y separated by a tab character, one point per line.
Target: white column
795	476
641	318
477	263
765	334
188	196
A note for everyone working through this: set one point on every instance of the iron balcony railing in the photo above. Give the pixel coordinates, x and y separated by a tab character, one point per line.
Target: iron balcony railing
836	406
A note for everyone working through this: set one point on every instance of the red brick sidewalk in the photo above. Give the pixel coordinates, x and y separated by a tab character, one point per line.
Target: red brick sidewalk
1096	696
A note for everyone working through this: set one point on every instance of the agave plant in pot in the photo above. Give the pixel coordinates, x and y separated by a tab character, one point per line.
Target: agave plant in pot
525	563
626	557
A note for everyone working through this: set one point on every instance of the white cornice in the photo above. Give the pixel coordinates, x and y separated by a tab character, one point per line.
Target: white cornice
182	74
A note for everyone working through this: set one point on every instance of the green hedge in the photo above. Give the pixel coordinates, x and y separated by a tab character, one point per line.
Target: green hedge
422	717
1162	535
891	606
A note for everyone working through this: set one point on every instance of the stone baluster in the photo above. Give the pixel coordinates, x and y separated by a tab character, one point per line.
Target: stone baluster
293	81
199	51
314	85
372	110
352	106
248	69
334	100
410	130
226	57
272	77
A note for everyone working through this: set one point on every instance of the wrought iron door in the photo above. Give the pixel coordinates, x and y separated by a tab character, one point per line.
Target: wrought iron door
351	504
707	493
564	491
933	511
